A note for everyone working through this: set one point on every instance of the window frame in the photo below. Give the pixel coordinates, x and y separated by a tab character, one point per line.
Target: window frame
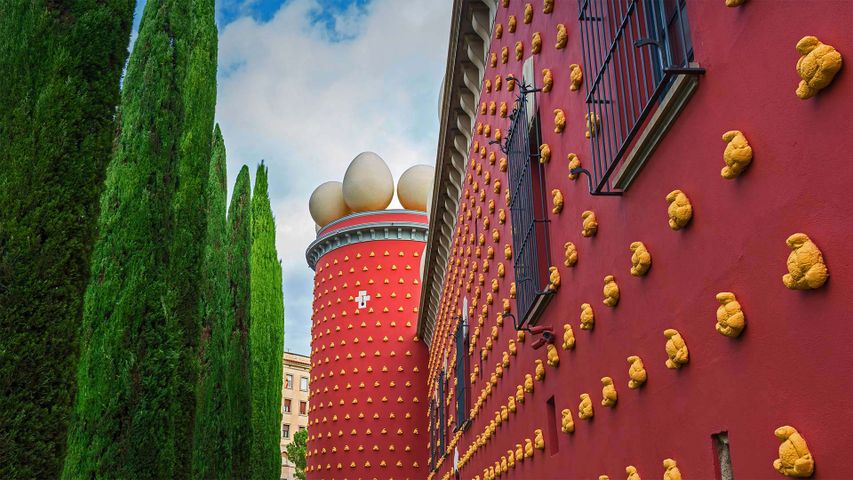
286	405
285	430
288	381
633	54
301	378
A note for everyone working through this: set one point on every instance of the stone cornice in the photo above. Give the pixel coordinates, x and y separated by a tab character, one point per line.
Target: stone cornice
365	232
470	39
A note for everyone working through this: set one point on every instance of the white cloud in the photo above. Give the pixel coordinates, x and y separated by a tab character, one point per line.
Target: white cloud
290	94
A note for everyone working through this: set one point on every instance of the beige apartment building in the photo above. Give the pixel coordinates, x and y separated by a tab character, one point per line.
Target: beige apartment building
294	405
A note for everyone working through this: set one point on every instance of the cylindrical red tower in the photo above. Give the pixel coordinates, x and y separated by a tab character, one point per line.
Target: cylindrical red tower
368	368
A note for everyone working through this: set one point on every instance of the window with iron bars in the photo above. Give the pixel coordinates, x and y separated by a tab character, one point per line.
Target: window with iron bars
462	393
528	208
632	52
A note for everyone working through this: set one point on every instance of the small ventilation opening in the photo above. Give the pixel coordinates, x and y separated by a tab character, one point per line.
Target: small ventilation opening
553	436
723	455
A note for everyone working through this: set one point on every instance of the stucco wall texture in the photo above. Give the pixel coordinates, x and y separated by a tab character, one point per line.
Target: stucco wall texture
791	364
368	369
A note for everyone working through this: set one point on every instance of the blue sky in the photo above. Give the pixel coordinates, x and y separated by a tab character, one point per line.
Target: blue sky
306	85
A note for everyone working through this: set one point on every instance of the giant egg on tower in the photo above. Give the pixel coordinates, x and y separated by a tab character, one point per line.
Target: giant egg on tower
368	184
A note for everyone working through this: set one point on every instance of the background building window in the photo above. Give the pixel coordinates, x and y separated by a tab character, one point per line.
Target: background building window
288	381
285	431
303	408
303	384
286	408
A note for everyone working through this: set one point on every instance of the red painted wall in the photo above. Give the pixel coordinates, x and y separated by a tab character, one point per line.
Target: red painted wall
790	366
372	342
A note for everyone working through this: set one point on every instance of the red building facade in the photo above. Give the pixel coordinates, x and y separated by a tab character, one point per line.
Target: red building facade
700	214
368	367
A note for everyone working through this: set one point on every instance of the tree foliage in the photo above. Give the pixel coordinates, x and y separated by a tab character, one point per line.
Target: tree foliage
60	63
296	452
213	438
136	380
239	270
266	336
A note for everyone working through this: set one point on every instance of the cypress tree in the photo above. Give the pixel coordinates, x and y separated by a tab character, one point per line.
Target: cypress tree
135	401
266	335
213	442
61	63
198	49
239	268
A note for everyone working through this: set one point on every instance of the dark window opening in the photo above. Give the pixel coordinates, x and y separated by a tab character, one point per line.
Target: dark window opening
553	428
463	384
528	207
632	52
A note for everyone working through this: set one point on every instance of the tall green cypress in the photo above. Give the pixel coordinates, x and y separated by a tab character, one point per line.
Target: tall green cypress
135	401
198	49
61	63
266	335
213	438
239	270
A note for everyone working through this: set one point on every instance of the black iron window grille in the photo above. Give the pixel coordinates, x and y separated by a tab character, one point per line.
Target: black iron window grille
433	434
632	52
461	359
528	208
442	416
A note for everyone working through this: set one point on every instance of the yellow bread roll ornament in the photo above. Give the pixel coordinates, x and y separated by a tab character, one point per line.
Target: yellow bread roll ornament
730	317
547	6
676	349
504	55
817	66
519	50
544	153
493	62
567	423
528	382
585	411
557	200
593	124
553	279
528	12
680	210
511	23
636	372
559	120
538	439
671	471
631	472
528	448
590	224
536	43
737	155
499	31
568	337
795	459
570	256
587	317
547	80
574	162
611	291
539	370
735	3
562	36
498	82
575	76
806	268
608	392
553	356
641	259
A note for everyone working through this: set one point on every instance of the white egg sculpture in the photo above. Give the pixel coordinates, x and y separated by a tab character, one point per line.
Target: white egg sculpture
327	203
368	184
414	186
